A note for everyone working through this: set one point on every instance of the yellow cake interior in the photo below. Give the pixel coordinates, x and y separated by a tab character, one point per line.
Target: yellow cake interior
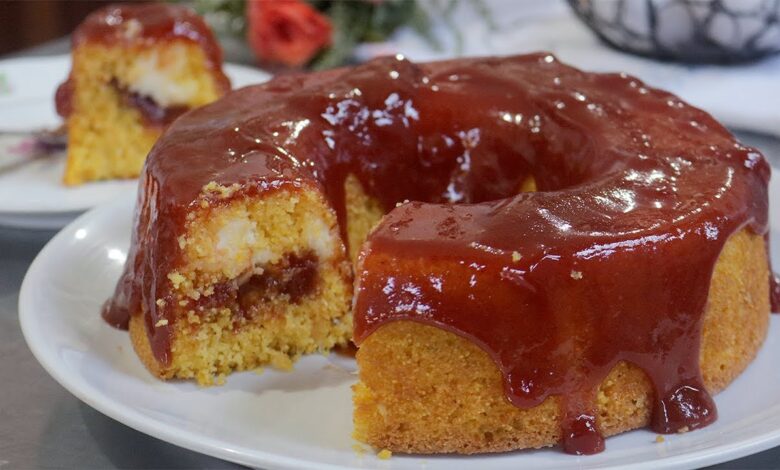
228	243
108	139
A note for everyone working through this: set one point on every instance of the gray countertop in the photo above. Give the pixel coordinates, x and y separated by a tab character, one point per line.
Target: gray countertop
44	426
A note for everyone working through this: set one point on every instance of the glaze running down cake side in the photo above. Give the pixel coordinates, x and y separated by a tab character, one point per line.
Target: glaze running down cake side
642	206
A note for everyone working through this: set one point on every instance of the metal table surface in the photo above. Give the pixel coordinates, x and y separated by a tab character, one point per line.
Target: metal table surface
44	426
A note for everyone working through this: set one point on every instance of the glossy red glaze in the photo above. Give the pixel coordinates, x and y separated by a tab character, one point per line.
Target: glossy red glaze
610	261
63	98
581	436
142	25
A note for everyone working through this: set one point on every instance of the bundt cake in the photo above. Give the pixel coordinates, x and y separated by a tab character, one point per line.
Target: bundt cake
136	68
582	254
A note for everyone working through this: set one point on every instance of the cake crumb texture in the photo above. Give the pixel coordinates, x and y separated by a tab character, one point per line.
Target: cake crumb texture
262	281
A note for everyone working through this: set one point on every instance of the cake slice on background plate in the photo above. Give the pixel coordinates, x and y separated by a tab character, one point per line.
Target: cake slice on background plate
135	69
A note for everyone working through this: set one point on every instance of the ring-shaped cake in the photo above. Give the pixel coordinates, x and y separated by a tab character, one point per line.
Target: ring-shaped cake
582	255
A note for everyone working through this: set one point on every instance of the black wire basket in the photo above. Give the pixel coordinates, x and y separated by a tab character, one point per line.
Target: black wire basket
692	31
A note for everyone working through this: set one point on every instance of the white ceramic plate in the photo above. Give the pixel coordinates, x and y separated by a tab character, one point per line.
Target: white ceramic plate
303	419
32	195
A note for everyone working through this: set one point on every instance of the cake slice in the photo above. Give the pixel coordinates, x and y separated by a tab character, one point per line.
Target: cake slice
249	281
136	68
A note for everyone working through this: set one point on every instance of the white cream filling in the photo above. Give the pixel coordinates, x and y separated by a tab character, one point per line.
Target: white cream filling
162	76
237	243
319	238
234	238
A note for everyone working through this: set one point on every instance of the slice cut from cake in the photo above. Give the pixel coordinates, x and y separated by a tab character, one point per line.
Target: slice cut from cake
136	68
257	281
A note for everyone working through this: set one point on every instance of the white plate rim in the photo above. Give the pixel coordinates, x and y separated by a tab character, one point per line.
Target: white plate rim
247	456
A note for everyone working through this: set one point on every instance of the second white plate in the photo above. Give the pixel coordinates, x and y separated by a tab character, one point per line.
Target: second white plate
32	195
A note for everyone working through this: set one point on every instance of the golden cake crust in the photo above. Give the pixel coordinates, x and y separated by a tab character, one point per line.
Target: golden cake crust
425	390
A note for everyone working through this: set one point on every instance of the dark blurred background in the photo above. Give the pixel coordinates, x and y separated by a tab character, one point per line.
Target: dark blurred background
26	23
